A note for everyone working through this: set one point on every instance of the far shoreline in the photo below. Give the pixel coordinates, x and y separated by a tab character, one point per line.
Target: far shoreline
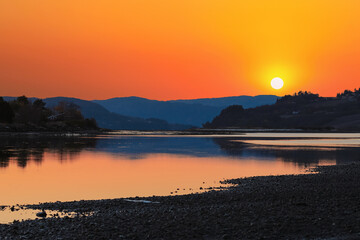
199	131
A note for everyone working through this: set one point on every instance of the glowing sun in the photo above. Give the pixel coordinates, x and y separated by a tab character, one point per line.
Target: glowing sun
277	83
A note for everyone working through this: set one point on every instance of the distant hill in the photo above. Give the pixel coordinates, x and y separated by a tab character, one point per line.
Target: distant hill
302	110
173	112
107	119
245	101
191	112
137	113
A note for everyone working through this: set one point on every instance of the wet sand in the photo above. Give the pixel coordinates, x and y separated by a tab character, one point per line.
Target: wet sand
311	206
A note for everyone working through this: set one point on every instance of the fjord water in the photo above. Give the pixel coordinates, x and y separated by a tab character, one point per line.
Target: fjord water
39	168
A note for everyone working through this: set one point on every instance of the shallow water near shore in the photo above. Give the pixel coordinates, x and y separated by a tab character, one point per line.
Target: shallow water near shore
19	213
39	168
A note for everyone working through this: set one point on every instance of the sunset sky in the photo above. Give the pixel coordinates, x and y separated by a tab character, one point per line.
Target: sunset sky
177	49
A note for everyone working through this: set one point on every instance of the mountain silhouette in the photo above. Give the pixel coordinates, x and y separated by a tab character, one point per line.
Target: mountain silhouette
303	110
135	113
190	112
110	120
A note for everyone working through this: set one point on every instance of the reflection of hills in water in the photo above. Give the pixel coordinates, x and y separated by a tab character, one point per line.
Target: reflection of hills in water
136	147
299	155
22	149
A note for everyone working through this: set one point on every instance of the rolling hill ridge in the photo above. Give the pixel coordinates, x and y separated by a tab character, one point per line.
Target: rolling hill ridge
190	112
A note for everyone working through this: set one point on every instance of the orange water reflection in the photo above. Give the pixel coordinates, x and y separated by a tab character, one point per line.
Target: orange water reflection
97	175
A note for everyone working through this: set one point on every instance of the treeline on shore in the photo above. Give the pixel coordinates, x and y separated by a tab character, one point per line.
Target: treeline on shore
22	114
302	110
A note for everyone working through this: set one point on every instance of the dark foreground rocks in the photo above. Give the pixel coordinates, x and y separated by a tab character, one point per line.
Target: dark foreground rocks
314	206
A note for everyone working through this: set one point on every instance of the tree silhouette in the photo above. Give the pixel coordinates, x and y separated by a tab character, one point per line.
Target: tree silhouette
23	115
68	111
6	112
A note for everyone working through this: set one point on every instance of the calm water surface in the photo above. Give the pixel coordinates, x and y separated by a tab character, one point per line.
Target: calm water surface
61	168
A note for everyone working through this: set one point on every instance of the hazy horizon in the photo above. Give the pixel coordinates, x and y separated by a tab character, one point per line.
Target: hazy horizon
170	99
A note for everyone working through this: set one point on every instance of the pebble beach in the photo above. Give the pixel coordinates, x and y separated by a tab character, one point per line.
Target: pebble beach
321	205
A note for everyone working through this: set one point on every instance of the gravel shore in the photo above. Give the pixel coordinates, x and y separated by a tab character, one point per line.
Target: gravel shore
312	206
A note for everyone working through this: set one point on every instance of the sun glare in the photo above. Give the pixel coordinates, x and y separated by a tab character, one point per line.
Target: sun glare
277	83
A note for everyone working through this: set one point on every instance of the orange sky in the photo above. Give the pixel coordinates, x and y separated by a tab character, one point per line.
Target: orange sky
177	49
